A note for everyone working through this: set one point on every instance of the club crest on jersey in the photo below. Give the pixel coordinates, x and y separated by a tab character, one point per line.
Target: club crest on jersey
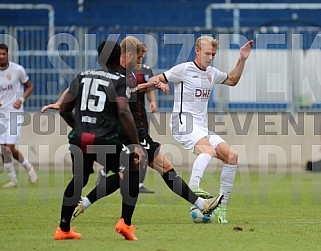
209	77
128	92
202	93
146	77
9	76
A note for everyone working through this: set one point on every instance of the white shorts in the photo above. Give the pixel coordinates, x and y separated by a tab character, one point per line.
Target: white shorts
10	130
188	134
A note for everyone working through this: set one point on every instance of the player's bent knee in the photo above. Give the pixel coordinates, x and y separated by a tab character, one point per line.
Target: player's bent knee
162	167
233	157
167	166
212	152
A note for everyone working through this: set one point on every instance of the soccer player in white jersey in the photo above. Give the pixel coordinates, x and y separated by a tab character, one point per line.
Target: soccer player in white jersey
193	83
13	79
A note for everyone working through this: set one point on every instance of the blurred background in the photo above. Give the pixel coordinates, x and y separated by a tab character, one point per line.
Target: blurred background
56	40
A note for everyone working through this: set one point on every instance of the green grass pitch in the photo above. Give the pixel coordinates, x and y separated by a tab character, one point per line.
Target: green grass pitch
268	211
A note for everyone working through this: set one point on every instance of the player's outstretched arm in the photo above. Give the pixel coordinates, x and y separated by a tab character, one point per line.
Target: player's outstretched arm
236	73
159	82
55	106
157	79
152	85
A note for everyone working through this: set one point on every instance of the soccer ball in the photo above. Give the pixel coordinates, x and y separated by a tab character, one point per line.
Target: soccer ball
198	217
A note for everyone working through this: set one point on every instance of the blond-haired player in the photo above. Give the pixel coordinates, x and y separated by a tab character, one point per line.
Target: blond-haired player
193	83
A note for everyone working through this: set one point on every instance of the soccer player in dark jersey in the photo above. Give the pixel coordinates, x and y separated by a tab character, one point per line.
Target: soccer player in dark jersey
143	73
156	159
99	99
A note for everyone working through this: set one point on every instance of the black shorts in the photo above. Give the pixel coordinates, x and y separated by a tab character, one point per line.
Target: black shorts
112	155
152	148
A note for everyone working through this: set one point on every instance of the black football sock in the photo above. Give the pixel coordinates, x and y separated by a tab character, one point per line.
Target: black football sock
129	191
105	187
71	198
178	186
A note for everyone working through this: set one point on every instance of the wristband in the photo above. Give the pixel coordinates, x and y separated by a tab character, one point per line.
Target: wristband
22	99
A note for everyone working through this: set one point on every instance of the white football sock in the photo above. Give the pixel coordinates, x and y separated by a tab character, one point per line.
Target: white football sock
86	203
227	181
199	166
26	164
10	171
200	203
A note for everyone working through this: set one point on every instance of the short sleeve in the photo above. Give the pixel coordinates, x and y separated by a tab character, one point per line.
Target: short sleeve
175	74
220	77
23	77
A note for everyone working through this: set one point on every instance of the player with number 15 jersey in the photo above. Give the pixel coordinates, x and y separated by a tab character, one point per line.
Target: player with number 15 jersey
95	94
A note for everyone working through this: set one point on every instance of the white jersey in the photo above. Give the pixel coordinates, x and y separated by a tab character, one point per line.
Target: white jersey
12	82
193	87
